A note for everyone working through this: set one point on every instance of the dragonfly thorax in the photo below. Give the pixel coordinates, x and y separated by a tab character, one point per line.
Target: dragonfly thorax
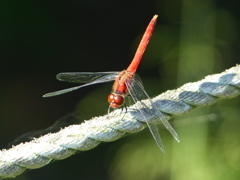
115	100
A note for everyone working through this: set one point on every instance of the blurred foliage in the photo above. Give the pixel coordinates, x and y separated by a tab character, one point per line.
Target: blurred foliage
192	39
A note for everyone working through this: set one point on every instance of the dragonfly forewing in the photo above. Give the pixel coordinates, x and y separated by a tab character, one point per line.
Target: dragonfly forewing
142	108
137	92
101	79
84	77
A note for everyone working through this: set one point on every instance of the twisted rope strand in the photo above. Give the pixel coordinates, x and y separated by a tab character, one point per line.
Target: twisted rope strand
40	151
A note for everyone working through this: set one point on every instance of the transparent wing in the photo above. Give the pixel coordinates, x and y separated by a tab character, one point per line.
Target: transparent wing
82	77
101	79
137	92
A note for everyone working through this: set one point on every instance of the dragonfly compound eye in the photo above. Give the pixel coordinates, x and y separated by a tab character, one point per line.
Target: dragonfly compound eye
115	100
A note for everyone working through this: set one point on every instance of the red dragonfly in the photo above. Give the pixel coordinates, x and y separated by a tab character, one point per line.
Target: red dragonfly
126	82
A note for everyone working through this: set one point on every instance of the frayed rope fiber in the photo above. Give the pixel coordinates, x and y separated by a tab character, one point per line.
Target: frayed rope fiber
40	151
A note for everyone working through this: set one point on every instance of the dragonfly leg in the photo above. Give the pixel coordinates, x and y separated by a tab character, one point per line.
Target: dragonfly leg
109	109
124	107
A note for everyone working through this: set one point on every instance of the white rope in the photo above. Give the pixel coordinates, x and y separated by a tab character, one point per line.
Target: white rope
40	151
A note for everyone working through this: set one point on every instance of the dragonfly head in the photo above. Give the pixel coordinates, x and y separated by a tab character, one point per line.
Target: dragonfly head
115	100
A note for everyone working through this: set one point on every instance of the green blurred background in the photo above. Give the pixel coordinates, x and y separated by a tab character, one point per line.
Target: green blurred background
192	39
